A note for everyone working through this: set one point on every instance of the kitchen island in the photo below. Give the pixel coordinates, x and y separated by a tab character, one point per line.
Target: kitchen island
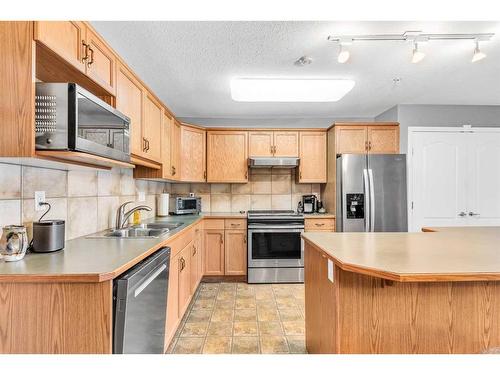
403	292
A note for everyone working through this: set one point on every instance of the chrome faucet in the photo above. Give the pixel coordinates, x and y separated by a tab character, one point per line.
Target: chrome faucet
122	216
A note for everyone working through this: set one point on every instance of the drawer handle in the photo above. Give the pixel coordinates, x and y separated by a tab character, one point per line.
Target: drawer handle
235	224
149	280
319	224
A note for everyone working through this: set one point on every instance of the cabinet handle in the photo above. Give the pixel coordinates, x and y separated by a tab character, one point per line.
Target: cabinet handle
85	51
147	140
222	240
246	175
235	225
369	145
91	57
271	149
473	214
274	149
366	145
182	264
245	239
319	224
300	175
143	144
462	214
194	250
205	175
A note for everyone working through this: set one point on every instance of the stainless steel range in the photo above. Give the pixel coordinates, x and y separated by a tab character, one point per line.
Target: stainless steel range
275	247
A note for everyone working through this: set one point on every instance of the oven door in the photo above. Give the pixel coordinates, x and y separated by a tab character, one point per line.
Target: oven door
275	247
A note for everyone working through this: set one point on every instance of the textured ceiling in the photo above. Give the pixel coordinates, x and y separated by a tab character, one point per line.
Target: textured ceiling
189	65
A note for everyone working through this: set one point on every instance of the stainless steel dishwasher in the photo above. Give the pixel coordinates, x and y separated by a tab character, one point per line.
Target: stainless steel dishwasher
140	306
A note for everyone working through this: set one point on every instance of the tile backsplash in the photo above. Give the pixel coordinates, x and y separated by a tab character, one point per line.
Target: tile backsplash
87	200
266	189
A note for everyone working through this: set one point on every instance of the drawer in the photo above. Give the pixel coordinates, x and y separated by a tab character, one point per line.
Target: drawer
320	224
181	241
235	224
213	224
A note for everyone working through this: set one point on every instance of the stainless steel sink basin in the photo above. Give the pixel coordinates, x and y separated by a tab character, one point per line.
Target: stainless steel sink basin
149	230
169	226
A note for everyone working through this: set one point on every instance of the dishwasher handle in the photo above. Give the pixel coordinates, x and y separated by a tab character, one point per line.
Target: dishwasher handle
149	280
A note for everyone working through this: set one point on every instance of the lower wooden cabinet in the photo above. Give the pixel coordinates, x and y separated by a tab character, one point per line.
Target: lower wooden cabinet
235	252
214	252
319	224
185	278
196	261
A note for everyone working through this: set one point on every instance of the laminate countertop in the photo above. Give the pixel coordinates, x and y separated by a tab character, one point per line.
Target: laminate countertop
447	254
87	259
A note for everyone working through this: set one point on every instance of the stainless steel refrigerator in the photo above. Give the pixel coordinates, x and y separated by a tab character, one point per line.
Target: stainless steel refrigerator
371	193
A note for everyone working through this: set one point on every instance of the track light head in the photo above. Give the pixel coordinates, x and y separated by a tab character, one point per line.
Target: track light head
478	55
417	55
343	55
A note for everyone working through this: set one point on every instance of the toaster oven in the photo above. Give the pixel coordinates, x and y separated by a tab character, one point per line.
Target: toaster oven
185	205
68	117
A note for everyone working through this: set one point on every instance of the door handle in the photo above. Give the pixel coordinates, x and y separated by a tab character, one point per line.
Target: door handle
473	214
372	201
149	280
462	214
367	200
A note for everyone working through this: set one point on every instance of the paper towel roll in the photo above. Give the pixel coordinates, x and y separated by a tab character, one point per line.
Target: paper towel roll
162	206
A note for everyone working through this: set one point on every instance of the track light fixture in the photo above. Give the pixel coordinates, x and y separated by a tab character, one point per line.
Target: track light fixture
417	55
478	55
409	36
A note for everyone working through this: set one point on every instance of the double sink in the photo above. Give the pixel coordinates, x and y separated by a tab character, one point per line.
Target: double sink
150	230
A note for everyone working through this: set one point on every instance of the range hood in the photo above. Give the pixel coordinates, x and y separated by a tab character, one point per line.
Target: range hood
264	162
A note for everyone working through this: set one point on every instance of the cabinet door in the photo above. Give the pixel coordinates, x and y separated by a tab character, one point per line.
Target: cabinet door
312	167
214	252
286	144
227	156
166	145
172	299
185	278
351	139
260	144
65	38
153	115
193	154
101	62
235	252
129	100
383	139
176	151
194	271
312	260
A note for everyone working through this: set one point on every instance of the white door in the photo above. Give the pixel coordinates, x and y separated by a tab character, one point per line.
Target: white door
483	180
439	164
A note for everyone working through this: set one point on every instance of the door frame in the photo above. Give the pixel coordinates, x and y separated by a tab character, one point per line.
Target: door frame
412	130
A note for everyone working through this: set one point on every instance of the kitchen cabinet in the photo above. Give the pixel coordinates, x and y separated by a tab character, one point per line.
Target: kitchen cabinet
66	39
100	61
227	156
176	151
214	252
196	259
129	101
185	291
193	154
80	46
235	255
151	130
319	224
320	300
166	145
273	143
312	167
364	138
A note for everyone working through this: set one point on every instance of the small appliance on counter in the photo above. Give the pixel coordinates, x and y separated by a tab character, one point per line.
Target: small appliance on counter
162	204
185	205
309	203
48	235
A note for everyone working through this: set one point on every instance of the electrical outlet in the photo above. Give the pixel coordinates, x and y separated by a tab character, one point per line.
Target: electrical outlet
141	196
39	198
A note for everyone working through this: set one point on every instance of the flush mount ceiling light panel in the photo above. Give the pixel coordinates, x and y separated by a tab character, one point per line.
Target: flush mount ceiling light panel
415	37
289	89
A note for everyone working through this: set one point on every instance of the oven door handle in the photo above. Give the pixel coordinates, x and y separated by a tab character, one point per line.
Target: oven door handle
275	230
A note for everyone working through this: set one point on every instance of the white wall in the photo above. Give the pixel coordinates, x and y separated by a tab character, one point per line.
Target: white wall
439	115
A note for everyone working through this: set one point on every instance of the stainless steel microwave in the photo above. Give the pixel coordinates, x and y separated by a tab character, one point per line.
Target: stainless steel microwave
185	205
68	117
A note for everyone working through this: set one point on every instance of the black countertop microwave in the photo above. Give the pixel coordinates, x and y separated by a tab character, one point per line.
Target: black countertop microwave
68	117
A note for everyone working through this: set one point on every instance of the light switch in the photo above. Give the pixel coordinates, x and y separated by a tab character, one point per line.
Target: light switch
330	270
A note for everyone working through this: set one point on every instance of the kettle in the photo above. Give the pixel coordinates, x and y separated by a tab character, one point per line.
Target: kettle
13	243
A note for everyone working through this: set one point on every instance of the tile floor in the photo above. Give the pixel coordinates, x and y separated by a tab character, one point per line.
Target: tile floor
241	318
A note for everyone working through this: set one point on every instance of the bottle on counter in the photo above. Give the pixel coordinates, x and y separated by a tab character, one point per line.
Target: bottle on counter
137	217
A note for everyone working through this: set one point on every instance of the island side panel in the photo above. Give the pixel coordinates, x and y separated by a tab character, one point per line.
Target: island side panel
321	303
56	317
379	316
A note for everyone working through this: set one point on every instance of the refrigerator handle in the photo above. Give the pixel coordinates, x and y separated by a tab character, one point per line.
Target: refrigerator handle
372	201
366	190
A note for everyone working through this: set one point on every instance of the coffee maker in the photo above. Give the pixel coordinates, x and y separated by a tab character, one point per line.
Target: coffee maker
309	203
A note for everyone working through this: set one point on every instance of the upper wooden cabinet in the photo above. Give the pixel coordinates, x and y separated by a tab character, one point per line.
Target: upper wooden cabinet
166	145
312	167
366	138
176	151
151	129
273	143
65	38
129	100
193	154
227	159
101	62
80	46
